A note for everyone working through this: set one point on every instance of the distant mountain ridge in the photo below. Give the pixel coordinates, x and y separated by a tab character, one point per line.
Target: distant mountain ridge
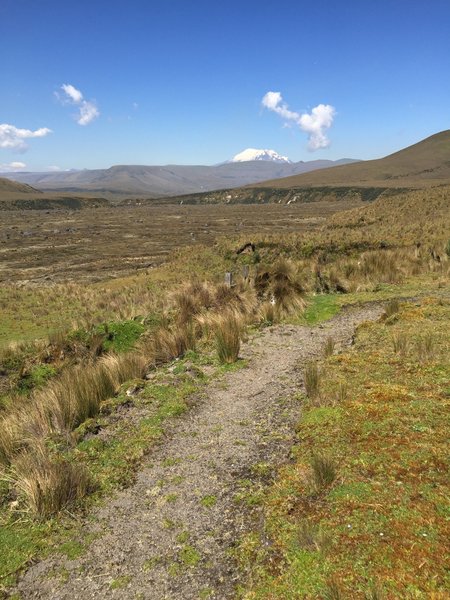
168	180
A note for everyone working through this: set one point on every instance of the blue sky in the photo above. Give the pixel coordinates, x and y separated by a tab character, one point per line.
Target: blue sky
183	82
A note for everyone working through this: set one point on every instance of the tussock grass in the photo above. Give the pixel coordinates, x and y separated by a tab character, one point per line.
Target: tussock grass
122	367
392	308
47	484
323	471
166	344
425	346
329	347
312	378
228	331
400	343
282	285
268	313
333	590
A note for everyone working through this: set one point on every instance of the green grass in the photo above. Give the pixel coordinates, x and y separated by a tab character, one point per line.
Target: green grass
320	307
120	582
189	556
208	501
384	515
112	462
121	335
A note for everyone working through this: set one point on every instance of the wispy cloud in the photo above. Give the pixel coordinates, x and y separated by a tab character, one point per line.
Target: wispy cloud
75	95
315	124
87	109
14	138
12	166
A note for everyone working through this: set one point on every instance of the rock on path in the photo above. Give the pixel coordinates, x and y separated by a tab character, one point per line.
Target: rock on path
169	535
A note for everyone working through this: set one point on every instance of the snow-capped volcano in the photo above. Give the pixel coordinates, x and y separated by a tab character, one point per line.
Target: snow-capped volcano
255	154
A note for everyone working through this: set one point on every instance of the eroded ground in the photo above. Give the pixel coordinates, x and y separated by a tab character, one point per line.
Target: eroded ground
100	243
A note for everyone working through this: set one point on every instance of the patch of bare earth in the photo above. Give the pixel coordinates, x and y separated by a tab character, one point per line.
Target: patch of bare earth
170	535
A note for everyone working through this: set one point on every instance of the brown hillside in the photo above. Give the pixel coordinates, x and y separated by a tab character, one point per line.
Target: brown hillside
424	164
8	187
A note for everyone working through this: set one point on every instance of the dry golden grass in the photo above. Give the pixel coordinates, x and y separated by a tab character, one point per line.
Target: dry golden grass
228	332
47	484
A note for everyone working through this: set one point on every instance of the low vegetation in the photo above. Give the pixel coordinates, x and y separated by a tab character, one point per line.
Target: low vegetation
80	355
361	513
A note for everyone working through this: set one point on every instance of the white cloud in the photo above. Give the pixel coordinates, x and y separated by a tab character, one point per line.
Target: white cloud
53	168
14	138
315	124
13	166
87	109
88	112
71	91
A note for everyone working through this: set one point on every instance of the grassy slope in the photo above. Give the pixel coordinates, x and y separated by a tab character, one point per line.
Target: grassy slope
425	163
382	526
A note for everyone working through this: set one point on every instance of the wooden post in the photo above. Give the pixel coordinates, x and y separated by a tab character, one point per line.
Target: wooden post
245	272
229	279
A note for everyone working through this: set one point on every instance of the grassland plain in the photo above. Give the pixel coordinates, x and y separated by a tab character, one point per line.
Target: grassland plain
362	257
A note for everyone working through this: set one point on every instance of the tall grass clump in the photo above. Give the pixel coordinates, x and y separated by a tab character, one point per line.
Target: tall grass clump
323	471
281	284
392	308
329	346
228	332
167	344
400	343
122	367
47	484
311	379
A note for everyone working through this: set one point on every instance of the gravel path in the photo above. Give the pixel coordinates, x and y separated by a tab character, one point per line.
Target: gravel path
169	535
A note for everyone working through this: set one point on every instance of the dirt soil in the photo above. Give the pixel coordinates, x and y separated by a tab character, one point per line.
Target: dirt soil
171	535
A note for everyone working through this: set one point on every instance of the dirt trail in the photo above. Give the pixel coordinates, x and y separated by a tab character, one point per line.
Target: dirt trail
169	535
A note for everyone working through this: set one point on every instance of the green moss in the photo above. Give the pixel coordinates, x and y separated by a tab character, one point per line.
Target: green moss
37	377
120	582
208	501
120	336
189	555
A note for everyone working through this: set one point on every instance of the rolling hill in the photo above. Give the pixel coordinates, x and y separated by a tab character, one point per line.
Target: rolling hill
8	187
169	180
424	164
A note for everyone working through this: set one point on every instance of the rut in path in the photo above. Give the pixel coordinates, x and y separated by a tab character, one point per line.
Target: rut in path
169	535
